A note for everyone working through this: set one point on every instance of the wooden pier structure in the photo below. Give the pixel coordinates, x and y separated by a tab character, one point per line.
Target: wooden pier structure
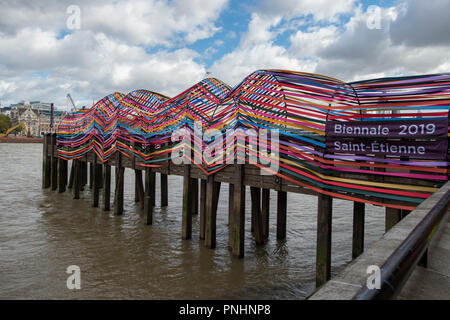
201	195
381	142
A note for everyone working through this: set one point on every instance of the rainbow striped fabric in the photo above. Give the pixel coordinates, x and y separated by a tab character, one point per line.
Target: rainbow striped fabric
298	106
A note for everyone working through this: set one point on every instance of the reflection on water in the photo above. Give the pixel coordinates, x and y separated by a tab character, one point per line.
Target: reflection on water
42	233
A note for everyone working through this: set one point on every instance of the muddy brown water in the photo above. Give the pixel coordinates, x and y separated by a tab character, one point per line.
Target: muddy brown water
43	232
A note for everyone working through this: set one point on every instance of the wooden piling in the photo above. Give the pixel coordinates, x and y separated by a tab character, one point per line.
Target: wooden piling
187	203
53	163
323	250
149	195
202	208
256	213
84	172
265	210
238	221
76	179
139	188
95	181
46	162
62	175
118	194
91	175
281	215
230	214
164	191
106	192
212	200
255	206
392	217
195	196
358	229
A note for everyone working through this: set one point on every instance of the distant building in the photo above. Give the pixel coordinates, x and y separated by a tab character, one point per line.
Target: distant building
6	111
36	116
27	115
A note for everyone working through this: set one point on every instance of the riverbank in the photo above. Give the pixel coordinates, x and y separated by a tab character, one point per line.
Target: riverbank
21	140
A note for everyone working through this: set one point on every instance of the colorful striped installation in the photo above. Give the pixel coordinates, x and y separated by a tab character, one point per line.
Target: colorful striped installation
382	141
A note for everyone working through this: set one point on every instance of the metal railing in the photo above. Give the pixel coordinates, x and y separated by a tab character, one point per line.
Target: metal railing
399	266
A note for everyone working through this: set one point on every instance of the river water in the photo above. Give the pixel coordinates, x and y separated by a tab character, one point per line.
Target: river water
43	232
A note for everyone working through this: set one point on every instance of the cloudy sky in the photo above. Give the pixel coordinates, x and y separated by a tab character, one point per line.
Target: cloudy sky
49	48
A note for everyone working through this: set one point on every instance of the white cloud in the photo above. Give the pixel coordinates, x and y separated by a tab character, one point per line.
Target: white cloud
257	51
111	52
126	45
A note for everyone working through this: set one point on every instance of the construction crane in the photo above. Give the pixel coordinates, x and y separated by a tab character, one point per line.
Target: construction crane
20	124
69	98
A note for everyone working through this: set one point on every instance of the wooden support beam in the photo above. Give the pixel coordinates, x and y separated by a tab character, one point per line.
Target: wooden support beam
149	195
118	194
187	203
106	187
392	217
265	210
230	214
72	171
194	196
62	175
255	206
238	221
358	229
256	213
91	175
323	250
46	162
281	214
96	177
84	172
139	188
54	163
100	172
212	201
164	191
202	208
76	179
